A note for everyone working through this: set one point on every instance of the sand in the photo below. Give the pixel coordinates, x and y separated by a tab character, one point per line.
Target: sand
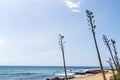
95	77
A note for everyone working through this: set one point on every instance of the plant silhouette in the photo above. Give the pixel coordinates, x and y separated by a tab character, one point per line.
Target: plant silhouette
61	42
111	66
107	43
116	57
92	28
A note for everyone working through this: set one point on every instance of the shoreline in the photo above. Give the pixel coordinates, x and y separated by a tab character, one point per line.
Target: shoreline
88	75
97	76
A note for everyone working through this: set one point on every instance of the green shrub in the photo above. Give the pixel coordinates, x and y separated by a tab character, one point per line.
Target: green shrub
117	76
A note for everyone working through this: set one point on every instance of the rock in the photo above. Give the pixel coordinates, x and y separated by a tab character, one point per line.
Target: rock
93	72
81	73
88	72
56	78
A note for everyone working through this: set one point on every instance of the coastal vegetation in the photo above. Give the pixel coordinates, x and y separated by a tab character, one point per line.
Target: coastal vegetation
92	28
111	66
116	56
61	42
117	77
114	59
107	43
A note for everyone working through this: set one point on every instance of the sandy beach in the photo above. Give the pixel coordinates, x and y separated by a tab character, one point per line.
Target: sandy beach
95	77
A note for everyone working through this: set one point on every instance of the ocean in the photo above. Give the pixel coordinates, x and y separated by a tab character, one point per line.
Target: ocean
39	72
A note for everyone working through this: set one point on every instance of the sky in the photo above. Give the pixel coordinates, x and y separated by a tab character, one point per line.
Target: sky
29	31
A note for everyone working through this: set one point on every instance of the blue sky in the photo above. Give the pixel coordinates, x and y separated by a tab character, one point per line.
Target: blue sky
29	31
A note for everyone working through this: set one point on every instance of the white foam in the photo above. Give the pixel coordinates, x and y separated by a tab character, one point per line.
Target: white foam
63	74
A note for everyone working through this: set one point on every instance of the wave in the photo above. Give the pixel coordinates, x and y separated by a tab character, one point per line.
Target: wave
18	73
63	74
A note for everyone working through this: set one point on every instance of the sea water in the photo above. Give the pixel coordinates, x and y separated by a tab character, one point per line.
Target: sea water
38	72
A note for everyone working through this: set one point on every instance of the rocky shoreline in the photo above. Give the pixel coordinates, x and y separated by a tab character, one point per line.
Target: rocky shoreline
57	78
79	73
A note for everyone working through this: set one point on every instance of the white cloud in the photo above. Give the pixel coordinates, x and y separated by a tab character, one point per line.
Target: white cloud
74	6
